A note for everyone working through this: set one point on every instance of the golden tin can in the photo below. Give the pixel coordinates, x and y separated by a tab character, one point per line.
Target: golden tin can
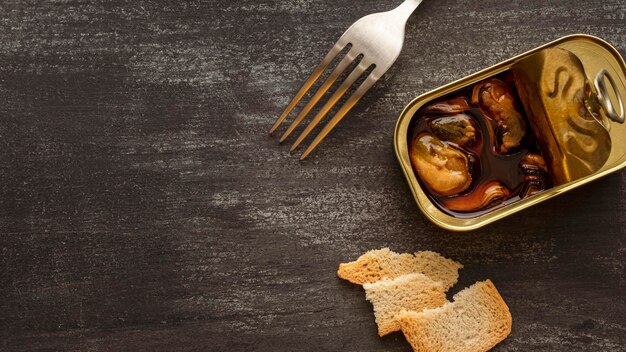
515	134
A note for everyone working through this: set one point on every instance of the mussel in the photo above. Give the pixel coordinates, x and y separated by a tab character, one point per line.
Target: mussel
450	106
486	195
443	168
497	101
536	176
459	129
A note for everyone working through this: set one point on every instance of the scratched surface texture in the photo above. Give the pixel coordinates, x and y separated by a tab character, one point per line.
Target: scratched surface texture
143	206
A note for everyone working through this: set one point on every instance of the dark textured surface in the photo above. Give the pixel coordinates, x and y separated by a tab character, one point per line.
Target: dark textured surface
144	207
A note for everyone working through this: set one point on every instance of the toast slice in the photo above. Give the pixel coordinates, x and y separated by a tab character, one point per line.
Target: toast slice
389	297
476	321
377	264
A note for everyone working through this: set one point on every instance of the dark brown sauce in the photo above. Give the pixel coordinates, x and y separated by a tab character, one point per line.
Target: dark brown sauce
486	164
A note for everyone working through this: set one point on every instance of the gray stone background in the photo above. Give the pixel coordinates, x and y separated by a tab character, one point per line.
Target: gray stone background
143	207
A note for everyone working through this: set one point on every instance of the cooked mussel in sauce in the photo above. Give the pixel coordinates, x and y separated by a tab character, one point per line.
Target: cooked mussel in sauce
498	102
444	169
536	176
472	151
457	128
490	193
451	106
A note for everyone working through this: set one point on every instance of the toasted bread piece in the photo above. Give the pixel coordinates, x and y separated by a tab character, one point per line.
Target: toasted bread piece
377	264
476	321
414	292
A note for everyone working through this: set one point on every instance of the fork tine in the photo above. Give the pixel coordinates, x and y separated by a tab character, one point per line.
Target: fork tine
356	73
358	94
342	66
317	72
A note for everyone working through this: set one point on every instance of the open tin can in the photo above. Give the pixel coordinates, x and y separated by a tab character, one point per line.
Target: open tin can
515	134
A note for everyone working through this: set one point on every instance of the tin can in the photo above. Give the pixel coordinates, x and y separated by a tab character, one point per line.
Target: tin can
568	152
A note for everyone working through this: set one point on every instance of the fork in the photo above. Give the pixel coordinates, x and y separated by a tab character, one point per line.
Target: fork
378	40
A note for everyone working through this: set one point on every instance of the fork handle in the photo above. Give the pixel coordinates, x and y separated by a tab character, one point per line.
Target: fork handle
407	8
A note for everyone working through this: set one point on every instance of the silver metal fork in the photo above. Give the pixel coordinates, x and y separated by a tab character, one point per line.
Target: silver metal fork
378	38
